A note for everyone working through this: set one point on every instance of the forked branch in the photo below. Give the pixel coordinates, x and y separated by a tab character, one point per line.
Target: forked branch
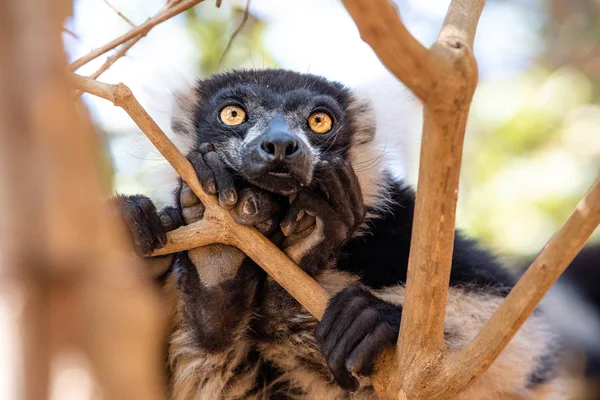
444	78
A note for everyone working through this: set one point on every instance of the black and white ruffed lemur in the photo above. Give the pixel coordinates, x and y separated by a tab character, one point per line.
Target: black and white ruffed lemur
296	156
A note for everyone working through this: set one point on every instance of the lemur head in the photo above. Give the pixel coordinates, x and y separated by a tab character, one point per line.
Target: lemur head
274	127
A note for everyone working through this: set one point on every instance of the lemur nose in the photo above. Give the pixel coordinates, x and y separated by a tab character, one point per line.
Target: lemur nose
281	148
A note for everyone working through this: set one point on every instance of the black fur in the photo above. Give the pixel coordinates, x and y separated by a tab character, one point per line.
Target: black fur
388	242
212	312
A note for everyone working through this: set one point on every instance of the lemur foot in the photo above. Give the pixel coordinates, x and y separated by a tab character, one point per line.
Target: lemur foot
213	174
148	227
356	326
322	218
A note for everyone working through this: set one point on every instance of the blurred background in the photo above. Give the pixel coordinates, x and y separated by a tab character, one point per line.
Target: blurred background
533	142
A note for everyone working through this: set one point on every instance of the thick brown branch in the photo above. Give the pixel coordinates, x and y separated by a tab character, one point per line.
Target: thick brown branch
141	30
461	21
59	233
380	26
218	226
560	250
444	78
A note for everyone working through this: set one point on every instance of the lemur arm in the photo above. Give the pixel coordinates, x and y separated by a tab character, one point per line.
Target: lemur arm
211	350
478	285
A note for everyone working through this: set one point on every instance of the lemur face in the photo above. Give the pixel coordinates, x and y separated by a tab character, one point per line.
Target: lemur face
273	127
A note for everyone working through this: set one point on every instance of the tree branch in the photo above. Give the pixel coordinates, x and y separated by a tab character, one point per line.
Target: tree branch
381	28
60	239
560	250
445	78
218	226
141	30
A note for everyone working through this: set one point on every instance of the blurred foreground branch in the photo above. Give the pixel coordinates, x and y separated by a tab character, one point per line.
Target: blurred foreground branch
168	11
60	244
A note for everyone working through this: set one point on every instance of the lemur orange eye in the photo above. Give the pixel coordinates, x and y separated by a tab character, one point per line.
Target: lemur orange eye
232	115
320	122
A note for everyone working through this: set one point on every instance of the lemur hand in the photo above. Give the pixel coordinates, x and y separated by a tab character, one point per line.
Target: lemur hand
322	218
356	326
213	174
255	207
218	263
148	228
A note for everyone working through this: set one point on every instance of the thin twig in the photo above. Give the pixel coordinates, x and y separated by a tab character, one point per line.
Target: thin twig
235	33
164	14
121	51
71	33
120	14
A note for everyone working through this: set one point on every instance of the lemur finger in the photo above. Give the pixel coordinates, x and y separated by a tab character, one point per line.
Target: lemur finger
362	359
330	184
307	203
170	218
364	322
351	311
350	181
344	378
335	307
192	209
225	185
204	172
254	206
187	197
192	214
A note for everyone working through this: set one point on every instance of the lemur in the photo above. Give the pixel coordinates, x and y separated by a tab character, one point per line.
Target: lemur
296	156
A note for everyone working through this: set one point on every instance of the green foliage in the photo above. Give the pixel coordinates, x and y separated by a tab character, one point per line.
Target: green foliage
211	30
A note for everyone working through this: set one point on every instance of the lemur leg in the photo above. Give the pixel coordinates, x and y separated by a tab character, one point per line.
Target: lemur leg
359	323
211	352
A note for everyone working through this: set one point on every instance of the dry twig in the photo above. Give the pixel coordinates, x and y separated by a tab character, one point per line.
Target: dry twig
169	11
529	291
235	33
120	14
71	33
